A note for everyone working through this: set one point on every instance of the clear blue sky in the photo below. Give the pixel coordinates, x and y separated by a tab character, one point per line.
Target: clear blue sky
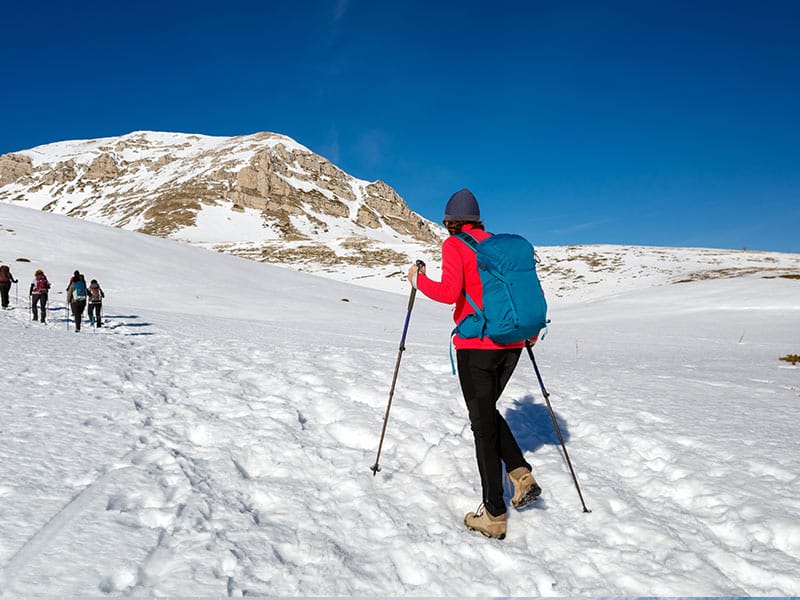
661	123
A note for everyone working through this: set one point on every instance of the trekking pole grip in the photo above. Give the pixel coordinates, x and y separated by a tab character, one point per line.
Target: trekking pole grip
411	297
420	265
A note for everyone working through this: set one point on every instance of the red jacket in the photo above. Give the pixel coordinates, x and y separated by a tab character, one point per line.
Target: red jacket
5	274
460	272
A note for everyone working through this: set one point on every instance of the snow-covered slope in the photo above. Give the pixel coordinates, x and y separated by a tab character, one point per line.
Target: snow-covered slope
268	198
215	437
262	196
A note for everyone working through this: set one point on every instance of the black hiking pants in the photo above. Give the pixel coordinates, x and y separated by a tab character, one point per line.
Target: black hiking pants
483	375
5	286
41	301
94	313
77	312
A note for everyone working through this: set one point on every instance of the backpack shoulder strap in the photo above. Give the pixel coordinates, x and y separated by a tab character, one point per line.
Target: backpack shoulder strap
468	240
472	243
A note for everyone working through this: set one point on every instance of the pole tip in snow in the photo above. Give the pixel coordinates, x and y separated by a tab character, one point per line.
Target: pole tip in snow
374	468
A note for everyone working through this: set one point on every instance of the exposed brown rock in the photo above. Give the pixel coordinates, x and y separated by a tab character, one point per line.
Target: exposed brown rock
366	217
103	167
158	187
14	167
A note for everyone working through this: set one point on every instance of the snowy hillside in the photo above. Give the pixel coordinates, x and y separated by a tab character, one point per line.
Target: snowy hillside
262	196
215	437
268	198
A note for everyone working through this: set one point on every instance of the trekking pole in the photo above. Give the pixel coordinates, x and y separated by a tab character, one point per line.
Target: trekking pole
375	468
555	424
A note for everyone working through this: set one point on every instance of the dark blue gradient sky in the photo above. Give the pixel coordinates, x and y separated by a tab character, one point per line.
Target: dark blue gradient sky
660	123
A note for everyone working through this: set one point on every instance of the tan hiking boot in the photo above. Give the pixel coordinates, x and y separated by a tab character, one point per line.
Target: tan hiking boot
483	522
526	490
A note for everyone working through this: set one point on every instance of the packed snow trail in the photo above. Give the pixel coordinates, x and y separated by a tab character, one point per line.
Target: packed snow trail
190	450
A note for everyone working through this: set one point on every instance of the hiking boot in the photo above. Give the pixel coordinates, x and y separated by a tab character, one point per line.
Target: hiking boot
483	522
526	490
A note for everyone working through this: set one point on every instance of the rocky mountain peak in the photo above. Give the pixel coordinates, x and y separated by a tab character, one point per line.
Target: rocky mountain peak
261	196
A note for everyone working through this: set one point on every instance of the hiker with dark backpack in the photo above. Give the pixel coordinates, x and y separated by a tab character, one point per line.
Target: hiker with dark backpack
76	297
96	296
38	294
487	349
6	279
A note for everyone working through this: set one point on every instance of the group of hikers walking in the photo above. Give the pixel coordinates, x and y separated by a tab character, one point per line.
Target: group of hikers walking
80	295
500	310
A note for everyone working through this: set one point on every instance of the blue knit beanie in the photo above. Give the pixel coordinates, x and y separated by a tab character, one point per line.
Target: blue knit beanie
462	206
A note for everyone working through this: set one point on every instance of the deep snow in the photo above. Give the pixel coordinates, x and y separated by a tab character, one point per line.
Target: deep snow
215	437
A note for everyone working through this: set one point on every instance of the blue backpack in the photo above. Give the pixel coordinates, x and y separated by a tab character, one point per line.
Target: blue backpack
514	307
79	290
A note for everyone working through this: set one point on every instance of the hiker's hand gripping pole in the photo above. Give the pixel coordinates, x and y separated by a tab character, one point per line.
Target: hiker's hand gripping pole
375	468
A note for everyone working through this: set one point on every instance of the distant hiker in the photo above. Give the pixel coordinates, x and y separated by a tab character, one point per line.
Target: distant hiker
38	294
76	297
484	368
6	279
96	296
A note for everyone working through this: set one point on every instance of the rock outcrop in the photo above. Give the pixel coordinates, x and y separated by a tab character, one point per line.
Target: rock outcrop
293	206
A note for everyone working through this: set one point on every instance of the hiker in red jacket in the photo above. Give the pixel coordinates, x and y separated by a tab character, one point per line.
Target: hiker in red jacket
484	368
6	279
38	293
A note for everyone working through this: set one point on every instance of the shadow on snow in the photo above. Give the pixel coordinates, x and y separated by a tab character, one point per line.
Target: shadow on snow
111	321
532	425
